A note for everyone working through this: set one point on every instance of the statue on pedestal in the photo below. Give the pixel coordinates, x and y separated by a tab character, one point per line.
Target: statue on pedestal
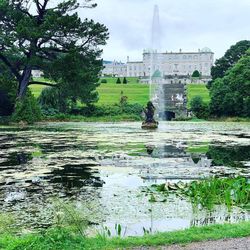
149	122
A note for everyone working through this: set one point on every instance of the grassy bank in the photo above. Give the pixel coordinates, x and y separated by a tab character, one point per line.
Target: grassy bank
110	92
65	239
79	118
197	90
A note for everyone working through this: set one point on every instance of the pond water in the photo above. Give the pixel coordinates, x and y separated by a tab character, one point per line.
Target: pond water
102	169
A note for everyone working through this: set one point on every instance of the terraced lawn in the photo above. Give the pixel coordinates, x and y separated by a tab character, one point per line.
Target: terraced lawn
110	92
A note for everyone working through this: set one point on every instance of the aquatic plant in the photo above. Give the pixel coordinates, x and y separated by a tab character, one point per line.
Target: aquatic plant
216	191
68	216
208	193
118	229
106	231
7	224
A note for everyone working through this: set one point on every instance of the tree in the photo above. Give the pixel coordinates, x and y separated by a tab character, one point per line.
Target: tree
6	106
7	91
124	81
41	34
196	73
27	110
231	57
198	107
230	94
118	81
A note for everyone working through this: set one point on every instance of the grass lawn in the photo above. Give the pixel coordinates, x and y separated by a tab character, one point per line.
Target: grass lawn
65	239
37	88
110	92
198	89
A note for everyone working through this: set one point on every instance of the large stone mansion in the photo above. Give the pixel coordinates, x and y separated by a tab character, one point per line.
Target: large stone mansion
171	65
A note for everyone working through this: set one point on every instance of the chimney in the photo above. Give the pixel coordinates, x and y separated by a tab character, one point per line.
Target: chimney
127	58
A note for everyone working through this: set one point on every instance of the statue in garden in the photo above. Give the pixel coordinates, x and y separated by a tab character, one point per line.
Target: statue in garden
149	113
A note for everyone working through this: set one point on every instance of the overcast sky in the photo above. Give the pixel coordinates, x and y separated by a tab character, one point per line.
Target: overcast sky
185	24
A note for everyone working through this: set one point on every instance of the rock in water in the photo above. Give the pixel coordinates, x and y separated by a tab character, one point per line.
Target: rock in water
149	125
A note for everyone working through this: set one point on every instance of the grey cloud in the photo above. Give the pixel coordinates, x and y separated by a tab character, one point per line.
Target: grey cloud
185	24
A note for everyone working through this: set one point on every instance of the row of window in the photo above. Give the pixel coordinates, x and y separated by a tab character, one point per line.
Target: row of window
178	57
176	66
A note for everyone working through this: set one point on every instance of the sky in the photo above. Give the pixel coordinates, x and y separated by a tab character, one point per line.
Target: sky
185	24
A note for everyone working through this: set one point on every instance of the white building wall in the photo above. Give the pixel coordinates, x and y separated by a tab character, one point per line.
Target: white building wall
115	69
169	63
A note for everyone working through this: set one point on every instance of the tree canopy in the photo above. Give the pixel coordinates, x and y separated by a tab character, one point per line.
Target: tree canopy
230	95
50	36
232	56
196	73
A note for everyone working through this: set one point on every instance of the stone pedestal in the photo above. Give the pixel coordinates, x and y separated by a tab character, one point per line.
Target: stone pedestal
149	125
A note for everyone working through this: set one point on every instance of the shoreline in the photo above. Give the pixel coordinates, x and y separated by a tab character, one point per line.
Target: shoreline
65	238
126	118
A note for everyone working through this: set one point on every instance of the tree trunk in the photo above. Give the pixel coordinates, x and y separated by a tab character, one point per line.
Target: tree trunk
23	83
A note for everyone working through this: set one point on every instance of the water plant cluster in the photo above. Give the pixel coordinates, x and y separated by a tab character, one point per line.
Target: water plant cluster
216	191
208	193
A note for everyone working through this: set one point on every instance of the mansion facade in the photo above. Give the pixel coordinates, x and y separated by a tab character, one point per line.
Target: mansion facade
169	64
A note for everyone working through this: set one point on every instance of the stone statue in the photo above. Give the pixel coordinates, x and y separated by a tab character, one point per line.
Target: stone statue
149	113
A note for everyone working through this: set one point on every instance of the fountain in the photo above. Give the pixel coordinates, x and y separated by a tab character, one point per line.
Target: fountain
156	103
150	122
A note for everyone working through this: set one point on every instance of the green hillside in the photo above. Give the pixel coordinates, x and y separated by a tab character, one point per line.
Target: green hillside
198	89
110	92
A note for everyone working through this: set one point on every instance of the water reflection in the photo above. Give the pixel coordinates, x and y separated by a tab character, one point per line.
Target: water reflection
109	165
15	159
74	176
233	156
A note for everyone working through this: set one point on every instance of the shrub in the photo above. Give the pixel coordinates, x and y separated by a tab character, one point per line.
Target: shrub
49	112
52	99
8	88
49	98
199	108
104	81
112	110
6	107
135	109
27	110
118	81
196	73
124	81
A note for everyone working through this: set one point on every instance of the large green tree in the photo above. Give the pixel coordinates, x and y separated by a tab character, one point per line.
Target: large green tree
232	56
230	95
50	36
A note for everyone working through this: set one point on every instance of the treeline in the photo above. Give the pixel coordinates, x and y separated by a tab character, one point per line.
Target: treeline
230	86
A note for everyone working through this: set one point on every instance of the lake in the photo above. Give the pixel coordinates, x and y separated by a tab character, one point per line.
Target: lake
102	170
